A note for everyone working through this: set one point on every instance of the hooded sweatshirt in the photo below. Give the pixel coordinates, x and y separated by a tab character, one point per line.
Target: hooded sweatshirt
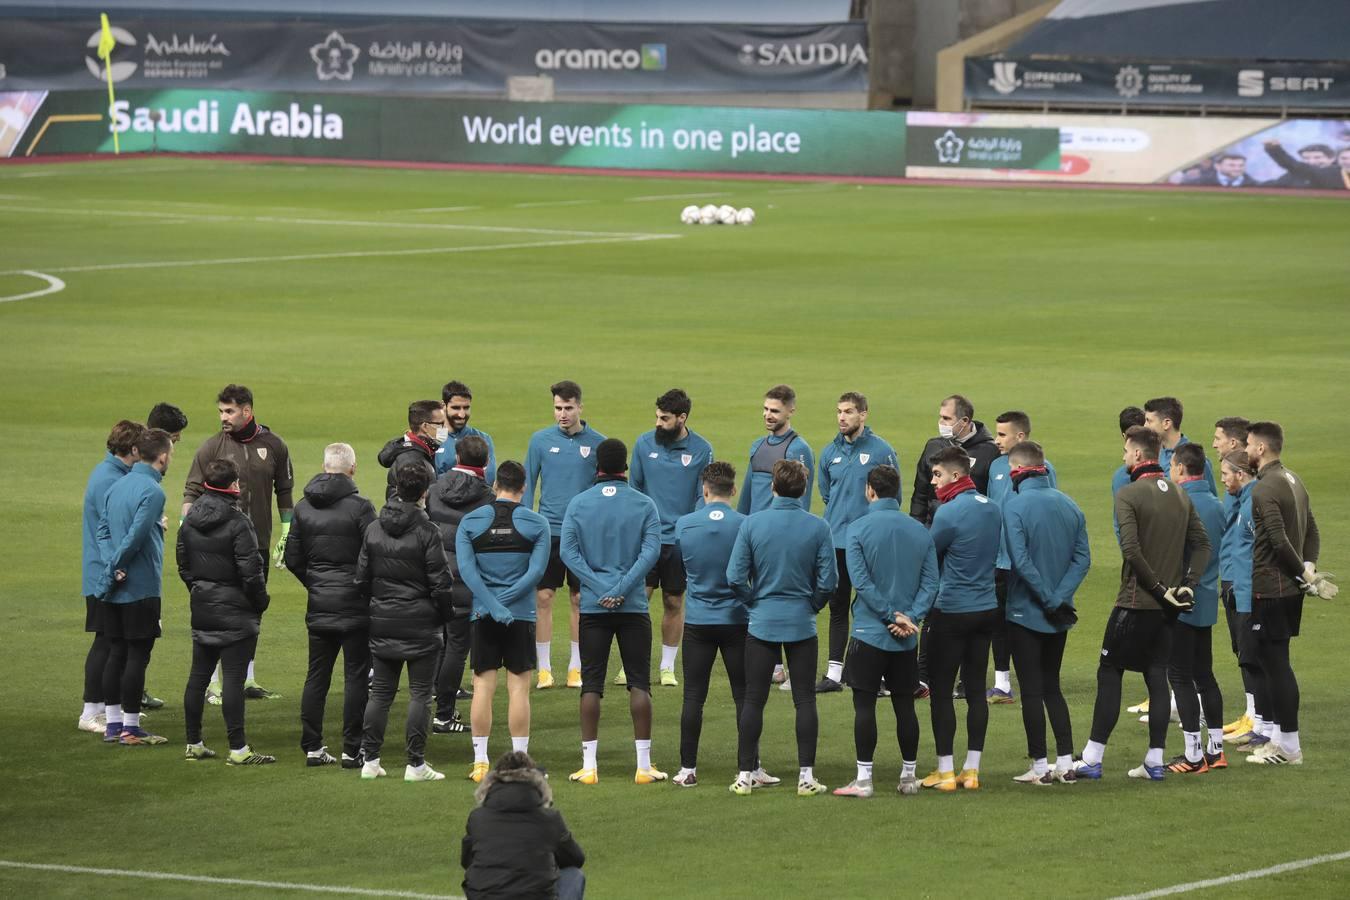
515	841
322	549
218	560
407	449
454	495
403	571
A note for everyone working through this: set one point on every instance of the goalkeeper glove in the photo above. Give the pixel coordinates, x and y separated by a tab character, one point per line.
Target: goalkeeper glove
1318	584
1178	600
279	551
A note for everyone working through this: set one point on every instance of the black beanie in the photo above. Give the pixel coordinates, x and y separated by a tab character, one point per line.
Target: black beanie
611	457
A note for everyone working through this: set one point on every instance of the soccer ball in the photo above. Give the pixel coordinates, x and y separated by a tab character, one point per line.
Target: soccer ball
745	216
726	215
689	215
708	215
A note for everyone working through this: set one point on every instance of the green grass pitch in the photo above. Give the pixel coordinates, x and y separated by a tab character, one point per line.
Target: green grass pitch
341	294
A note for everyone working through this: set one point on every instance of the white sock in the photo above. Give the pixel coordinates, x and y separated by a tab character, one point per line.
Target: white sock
805	775
944	764
215	676
1040	766
1003	681
315	754
1192	745
518	744
835	671
1064	763
1174	704
418	770
113	713
743	777
644	754
778	670
90	710
1153	757
574	660
588	754
541	651
864	771
907	767
1258	725
683	772
1251	706
1276	735
1093	753
973	759
668	656
243	751
131	720
1215	740
249	676
480	749
1289	741
199	745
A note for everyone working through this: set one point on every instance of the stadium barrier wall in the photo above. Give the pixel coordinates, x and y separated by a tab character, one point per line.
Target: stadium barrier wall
577	135
371	55
1058	148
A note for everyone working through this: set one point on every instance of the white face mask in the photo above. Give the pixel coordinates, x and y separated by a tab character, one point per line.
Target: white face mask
945	430
442	434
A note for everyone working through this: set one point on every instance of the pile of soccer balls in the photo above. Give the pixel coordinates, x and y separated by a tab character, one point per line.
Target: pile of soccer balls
717	215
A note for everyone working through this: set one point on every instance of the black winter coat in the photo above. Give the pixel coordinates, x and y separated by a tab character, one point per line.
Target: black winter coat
219	562
515	841
322	549
451	498
403	451
982	450
403	571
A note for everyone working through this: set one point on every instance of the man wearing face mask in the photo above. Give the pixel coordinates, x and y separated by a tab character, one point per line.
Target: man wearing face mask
264	465
957	427
667	465
417	446
458	401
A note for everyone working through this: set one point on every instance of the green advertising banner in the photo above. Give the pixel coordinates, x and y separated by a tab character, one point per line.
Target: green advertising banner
668	138
984	148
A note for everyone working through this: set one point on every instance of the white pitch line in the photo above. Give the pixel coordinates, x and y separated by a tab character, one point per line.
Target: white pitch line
230	882
349	254
1238	876
344	223
436	209
54	284
553	203
650	197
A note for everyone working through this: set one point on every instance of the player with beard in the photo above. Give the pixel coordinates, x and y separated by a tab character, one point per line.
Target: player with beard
667	465
780	402
264	465
1230	436
844	467
458	400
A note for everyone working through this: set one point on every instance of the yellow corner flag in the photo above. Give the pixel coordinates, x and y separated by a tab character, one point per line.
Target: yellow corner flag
106	43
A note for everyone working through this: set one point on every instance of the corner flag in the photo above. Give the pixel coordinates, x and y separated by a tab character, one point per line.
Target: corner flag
106	43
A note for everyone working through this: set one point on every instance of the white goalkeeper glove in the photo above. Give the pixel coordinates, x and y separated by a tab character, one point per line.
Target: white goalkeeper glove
1318	584
1180	599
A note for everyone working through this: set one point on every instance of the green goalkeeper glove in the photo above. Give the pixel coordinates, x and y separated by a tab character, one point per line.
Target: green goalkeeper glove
279	551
